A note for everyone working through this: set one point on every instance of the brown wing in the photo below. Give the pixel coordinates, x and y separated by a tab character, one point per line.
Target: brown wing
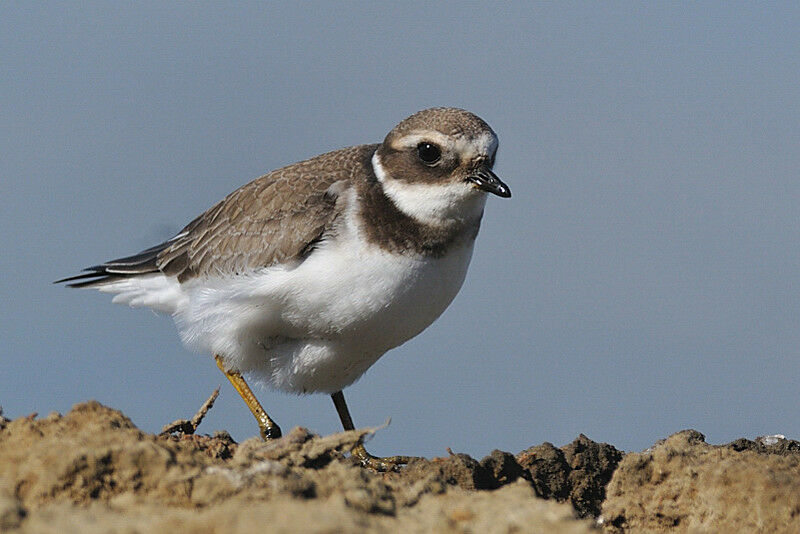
273	219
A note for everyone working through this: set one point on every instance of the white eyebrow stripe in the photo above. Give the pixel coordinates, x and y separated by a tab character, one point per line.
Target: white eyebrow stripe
412	140
482	145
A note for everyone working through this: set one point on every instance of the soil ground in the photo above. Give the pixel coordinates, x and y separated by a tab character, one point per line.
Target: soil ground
92	470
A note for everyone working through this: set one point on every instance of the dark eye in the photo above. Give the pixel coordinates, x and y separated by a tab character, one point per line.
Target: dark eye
429	153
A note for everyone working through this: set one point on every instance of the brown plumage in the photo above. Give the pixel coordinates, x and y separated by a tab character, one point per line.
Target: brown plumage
449	121
273	219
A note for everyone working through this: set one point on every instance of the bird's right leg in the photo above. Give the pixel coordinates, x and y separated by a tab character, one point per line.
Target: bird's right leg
269	429
389	463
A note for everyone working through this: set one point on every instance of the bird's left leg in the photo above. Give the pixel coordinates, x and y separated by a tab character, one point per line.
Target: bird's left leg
269	429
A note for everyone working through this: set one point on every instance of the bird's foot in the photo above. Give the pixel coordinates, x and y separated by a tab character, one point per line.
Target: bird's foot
188	427
268	429
376	463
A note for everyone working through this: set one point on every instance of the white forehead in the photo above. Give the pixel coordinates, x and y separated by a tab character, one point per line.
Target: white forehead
484	144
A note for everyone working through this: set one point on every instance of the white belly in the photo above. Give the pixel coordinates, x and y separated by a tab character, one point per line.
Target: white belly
320	325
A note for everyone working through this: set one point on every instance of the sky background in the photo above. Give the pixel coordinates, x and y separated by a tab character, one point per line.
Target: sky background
643	279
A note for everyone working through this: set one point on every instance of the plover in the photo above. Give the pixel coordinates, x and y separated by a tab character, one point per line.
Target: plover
304	277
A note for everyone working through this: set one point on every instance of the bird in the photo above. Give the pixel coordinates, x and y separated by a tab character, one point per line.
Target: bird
304	277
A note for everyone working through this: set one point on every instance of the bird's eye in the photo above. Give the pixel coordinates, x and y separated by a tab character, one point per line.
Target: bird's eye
429	153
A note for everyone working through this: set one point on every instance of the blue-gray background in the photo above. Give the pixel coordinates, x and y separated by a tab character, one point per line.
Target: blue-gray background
642	279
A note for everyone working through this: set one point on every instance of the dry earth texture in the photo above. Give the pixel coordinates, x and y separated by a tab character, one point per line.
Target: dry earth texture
92	470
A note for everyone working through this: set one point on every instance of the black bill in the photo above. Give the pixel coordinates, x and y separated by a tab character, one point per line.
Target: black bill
489	182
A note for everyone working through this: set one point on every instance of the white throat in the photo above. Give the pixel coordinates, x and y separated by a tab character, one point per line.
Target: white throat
431	203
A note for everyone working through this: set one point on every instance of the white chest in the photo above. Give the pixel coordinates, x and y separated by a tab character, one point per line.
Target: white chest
367	297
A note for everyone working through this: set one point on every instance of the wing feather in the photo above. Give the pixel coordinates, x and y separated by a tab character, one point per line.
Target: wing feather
276	218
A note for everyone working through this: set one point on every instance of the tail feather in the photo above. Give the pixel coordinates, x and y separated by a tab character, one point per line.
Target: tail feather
97	277
144	262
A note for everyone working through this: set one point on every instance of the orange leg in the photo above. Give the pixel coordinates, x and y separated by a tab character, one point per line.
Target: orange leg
269	429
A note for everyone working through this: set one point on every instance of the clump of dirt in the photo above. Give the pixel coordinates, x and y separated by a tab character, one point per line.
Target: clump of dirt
767	445
684	484
577	472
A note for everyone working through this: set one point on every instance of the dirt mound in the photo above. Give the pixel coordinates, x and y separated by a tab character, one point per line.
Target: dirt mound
683	484
578	472
92	470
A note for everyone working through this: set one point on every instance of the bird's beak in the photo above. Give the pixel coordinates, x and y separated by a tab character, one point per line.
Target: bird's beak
488	181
